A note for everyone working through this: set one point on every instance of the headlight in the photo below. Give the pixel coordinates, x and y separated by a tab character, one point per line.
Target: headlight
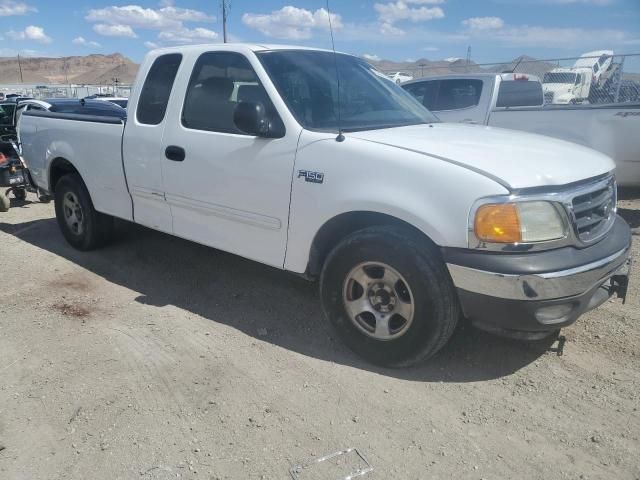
518	222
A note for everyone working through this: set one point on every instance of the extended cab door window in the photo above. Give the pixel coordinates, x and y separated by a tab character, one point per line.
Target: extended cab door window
154	97
221	80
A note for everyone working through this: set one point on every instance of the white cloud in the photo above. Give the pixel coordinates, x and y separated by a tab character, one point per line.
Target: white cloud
114	30
9	8
388	29
430	49
291	23
32	32
371	58
123	21
483	23
140	17
85	43
412	10
186	35
554	37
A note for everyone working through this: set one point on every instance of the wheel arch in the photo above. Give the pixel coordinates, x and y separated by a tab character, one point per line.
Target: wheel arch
58	167
338	227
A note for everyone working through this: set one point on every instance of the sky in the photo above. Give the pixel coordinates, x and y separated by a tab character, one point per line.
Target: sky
400	30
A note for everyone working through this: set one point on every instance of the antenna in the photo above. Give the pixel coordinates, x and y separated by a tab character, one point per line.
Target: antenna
340	137
226	4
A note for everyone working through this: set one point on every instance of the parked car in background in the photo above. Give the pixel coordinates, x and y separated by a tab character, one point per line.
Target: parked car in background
120	101
567	85
516	101
400	77
406	221
597	62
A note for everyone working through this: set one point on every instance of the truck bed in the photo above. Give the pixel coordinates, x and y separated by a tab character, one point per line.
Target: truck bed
610	129
95	144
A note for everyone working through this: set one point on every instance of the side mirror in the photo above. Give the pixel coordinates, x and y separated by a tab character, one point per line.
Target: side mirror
252	118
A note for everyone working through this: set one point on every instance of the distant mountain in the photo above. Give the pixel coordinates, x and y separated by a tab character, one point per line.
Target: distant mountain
89	69
523	64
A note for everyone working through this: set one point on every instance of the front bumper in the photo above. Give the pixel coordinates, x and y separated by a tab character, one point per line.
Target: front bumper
532	294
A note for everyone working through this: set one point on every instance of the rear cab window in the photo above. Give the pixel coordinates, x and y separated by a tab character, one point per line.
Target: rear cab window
458	94
154	98
519	93
425	92
447	94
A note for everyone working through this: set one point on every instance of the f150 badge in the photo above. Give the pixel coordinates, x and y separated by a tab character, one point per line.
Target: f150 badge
313	177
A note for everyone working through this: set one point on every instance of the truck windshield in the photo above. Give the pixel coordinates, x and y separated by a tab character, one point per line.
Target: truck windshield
559	77
306	80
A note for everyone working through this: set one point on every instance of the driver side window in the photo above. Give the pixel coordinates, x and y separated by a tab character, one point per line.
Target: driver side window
219	82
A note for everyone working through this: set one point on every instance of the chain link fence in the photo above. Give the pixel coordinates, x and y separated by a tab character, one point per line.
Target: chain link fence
595	78
65	91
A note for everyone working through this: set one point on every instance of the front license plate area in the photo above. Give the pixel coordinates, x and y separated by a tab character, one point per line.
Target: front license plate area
620	281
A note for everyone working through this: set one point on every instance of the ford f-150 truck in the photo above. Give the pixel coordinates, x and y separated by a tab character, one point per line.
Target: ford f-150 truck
515	100
408	223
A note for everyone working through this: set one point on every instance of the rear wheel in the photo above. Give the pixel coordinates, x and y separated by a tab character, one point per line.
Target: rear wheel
388	294
82	226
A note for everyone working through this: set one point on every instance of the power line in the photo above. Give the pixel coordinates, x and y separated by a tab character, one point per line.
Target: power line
20	68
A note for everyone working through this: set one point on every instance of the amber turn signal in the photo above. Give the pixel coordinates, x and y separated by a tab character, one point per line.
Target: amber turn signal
498	223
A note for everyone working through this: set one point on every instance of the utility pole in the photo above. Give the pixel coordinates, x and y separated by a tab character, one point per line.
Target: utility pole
226	4
422	65
20	67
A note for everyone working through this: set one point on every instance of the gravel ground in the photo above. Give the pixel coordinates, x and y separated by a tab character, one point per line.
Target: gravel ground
158	358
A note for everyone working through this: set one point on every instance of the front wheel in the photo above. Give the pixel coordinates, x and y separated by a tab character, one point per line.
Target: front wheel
389	296
82	226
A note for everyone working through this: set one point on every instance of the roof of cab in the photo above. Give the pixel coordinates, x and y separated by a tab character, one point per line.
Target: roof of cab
254	47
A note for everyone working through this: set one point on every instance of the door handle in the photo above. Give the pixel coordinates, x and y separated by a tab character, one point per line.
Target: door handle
175	153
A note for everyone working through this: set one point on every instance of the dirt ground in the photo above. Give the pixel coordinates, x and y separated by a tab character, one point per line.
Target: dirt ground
156	358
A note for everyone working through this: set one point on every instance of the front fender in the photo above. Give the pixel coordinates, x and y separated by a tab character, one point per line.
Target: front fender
432	195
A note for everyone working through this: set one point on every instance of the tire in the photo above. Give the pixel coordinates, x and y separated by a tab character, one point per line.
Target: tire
81	225
20	194
421	308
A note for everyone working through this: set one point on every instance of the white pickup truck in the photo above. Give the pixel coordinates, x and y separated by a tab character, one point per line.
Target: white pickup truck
407	222
516	101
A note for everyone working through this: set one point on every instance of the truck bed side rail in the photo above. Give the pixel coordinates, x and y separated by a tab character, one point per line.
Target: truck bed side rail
76	117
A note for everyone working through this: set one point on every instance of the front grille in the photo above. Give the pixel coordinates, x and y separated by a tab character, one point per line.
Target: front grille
548	97
593	212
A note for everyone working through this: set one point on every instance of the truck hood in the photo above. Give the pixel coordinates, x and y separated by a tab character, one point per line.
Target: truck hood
513	159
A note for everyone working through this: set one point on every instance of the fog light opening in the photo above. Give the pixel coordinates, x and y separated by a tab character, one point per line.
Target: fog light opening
554	313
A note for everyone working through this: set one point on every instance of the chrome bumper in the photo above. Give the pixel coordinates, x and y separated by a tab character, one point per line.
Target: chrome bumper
542	286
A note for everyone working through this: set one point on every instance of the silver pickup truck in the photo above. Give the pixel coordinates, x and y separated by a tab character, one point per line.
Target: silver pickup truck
514	100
